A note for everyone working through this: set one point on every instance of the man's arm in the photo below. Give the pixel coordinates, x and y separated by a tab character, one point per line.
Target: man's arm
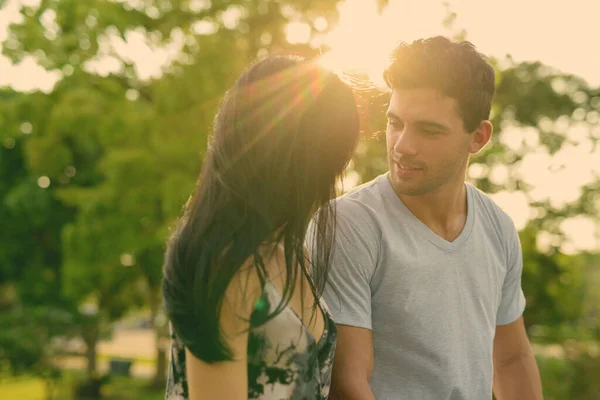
516	374
348	296
353	365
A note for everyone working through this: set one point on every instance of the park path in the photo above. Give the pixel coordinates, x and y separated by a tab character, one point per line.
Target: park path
125	343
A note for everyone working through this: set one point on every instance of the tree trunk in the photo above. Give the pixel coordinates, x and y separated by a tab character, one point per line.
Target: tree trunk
160	375
50	384
161	339
153	276
90	337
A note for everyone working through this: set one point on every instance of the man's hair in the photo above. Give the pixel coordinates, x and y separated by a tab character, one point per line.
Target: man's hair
455	69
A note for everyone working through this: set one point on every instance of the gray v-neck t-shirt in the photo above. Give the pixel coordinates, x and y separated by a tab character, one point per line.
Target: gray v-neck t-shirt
432	305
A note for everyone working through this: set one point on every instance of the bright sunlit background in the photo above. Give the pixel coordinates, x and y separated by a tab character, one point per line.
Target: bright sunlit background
539	30
550	32
362	39
556	35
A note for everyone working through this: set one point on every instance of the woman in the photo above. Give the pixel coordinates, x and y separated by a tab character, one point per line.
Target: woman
247	320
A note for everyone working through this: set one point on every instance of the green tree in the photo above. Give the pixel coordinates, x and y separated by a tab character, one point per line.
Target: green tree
26	341
32	310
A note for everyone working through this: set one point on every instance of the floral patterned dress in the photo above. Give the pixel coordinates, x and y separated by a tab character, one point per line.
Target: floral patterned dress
285	362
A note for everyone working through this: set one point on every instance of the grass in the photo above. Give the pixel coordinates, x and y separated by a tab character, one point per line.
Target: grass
23	388
562	380
32	388
118	388
121	388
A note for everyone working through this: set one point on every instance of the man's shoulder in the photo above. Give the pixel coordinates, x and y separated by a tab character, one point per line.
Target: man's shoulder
361	202
491	212
367	194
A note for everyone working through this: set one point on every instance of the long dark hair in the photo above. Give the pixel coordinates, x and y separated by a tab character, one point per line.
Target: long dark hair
283	135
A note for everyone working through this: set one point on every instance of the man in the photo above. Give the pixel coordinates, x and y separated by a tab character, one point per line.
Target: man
425	284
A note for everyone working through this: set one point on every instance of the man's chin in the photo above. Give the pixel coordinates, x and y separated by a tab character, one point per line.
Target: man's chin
403	188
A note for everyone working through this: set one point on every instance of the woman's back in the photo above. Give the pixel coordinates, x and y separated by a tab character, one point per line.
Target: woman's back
287	357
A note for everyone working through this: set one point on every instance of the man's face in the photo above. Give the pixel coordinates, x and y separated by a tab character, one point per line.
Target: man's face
427	144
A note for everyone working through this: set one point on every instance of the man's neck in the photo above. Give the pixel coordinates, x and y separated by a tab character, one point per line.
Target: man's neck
444	210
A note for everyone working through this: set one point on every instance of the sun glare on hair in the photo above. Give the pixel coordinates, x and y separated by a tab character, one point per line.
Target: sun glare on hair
356	41
363	37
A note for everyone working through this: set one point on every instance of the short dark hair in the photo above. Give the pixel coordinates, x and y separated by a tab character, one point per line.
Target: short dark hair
455	69
283	135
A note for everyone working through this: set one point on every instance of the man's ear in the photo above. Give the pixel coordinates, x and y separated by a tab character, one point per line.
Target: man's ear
481	136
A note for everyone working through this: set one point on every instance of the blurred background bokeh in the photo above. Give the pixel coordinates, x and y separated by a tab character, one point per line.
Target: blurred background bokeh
105	108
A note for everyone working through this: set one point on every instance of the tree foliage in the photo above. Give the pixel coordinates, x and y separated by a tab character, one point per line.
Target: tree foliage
95	172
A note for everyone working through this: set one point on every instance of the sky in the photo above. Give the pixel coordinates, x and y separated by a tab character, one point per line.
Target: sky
559	34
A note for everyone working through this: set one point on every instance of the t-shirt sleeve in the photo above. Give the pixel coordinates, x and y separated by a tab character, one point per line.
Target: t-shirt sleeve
512	303
353	261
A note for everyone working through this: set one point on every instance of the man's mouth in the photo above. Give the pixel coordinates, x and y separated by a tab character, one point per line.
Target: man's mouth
405	167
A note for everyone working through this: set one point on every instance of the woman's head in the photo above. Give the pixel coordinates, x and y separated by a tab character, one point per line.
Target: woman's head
284	132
